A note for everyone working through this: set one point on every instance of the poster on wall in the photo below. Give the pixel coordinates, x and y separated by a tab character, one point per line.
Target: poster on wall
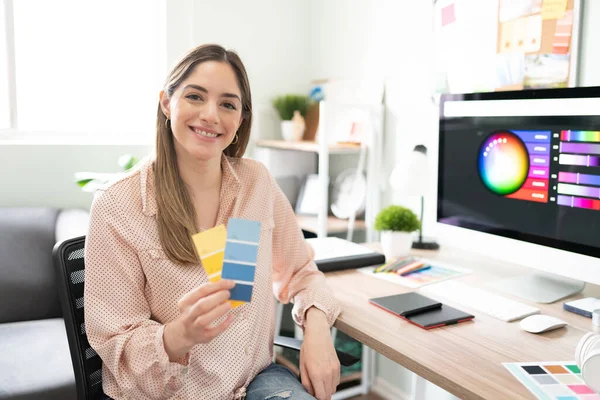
505	44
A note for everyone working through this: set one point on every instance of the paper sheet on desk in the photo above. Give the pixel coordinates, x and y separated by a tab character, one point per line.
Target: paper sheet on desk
437	273
333	247
552	379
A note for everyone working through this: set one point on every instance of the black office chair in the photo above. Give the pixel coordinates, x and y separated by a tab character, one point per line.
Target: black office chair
87	365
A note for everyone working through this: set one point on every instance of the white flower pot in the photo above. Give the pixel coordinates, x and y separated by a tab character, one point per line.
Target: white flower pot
290	132
396	244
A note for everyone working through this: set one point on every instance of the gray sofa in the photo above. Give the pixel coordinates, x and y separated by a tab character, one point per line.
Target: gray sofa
35	362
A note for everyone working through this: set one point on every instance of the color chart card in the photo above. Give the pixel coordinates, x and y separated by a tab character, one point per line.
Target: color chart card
241	251
559	380
210	246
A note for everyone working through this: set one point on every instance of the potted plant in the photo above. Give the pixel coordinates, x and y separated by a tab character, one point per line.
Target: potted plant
92	181
396	224
292	111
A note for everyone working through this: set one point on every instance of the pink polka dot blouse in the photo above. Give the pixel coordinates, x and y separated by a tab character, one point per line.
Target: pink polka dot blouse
132	289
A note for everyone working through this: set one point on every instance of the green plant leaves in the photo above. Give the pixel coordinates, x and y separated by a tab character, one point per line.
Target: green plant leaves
92	181
287	104
397	218
127	161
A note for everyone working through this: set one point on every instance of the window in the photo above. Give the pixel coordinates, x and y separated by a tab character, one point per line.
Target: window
4	105
88	68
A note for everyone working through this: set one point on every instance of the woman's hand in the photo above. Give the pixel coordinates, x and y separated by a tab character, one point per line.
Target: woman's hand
198	310
319	364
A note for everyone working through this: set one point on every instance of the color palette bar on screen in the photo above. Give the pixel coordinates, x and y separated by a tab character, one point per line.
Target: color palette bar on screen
241	252
539	160
534	136
540	196
539	172
578	202
577	190
579	148
536	184
580	136
538	148
586	161
575	177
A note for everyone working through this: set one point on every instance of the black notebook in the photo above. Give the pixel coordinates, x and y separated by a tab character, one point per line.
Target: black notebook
334	254
406	304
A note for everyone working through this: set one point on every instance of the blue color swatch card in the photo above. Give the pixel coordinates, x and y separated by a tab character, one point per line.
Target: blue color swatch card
241	251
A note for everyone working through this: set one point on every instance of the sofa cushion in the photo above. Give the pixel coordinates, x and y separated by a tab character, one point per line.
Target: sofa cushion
35	361
27	278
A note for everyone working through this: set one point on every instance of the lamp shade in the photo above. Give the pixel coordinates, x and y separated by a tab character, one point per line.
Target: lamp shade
411	176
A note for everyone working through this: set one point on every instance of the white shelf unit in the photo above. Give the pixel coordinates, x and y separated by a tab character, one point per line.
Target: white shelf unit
374	165
325	224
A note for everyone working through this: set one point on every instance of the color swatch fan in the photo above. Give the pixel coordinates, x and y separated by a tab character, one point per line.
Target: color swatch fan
231	254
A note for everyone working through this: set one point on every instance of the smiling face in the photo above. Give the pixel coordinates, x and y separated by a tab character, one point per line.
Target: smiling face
205	111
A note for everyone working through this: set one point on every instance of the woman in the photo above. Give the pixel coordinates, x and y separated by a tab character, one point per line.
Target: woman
161	328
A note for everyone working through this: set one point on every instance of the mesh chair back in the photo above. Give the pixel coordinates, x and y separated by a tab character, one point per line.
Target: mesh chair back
70	271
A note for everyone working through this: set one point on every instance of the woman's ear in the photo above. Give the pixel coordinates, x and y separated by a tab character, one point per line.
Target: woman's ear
164	104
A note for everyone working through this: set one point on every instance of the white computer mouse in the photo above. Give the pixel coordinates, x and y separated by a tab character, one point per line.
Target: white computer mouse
541	323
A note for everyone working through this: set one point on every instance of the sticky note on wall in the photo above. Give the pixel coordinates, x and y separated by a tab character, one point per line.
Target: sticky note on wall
241	251
210	246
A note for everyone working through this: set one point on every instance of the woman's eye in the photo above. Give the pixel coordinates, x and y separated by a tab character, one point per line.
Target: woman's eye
194	97
230	106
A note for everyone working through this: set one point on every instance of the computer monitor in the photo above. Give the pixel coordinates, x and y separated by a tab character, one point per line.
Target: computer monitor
519	179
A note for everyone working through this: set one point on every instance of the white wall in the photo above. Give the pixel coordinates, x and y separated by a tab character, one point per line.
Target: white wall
42	175
273	40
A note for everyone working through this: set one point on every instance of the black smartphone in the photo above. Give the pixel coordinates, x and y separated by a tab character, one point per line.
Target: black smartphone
406	304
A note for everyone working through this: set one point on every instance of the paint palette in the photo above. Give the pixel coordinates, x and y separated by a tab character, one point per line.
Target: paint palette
559	380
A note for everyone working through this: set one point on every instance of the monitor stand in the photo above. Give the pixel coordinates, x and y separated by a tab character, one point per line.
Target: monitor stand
540	287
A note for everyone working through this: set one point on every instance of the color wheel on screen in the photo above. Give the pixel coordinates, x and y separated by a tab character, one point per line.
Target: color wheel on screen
503	163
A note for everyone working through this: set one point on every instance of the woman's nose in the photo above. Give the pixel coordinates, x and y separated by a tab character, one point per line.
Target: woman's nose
210	113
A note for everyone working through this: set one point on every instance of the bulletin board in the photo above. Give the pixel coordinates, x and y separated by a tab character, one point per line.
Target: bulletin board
493	45
535	44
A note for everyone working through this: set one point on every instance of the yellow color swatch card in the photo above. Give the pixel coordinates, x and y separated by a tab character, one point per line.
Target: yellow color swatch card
210	246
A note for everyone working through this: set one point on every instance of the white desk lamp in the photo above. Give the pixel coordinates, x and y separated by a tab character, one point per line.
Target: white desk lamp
411	177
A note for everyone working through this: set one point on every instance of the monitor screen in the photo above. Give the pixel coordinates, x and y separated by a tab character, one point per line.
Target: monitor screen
523	165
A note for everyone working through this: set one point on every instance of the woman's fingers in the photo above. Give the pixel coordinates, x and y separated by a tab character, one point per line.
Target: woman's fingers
306	379
204	290
207	319
211	333
208	303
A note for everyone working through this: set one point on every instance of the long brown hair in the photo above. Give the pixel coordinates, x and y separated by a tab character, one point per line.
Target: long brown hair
176	217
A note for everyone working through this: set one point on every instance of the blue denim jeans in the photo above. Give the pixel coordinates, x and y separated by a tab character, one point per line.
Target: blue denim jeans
276	382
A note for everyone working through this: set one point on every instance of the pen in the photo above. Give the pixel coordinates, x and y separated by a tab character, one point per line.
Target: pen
426	267
409	267
392	264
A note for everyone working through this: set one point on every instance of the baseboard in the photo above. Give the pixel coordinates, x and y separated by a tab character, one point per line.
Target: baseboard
384	389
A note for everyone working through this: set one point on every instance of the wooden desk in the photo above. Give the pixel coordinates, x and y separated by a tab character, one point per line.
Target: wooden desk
464	359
